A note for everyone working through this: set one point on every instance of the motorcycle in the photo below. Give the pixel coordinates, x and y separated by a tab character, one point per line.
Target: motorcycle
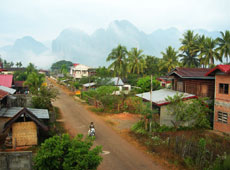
92	132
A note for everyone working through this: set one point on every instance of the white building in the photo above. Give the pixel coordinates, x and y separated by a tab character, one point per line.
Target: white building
80	70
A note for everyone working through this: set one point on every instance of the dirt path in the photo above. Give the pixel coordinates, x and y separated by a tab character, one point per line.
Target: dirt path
119	154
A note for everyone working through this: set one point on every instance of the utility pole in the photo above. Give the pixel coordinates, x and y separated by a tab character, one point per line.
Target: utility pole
150	122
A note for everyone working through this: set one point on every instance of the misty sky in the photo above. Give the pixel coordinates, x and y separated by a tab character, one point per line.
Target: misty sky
45	19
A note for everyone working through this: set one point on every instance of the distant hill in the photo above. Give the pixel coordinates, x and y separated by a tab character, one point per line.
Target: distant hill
77	46
23	48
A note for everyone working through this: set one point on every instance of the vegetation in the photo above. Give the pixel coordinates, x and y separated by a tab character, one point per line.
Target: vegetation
58	65
64	153
44	97
145	84
193	112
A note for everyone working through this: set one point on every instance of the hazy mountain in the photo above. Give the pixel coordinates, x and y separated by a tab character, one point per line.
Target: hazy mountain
22	48
77	46
93	49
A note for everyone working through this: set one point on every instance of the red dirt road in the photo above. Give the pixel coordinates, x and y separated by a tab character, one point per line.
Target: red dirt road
119	154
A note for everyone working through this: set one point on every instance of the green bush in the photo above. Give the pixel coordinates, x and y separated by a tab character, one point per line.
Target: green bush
64	153
139	128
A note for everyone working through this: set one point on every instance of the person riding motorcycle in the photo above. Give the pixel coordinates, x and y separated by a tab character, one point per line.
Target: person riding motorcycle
91	131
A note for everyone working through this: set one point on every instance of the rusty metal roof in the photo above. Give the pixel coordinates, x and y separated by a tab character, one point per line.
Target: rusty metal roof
191	72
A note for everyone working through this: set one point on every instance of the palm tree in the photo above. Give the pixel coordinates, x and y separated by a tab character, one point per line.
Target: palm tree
34	82
188	49
199	48
170	59
136	61
30	68
224	44
210	52
118	58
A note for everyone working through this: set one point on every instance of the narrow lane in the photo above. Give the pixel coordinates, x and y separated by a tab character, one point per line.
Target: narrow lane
119	154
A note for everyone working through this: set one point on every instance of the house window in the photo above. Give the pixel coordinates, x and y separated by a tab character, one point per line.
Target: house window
223	88
222	117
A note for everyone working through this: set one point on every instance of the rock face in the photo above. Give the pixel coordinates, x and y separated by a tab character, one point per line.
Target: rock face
93	49
23	47
77	46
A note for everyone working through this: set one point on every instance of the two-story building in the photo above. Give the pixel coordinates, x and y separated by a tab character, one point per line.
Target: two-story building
79	70
193	81
222	97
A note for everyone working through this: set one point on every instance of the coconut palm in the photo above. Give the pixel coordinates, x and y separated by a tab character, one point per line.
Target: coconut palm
170	59
136	61
118	58
224	44
210	52
34	82
188	49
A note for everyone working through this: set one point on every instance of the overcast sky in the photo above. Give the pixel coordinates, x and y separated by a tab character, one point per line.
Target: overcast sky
45	19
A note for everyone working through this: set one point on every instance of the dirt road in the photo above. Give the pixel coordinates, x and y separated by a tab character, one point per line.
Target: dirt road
118	153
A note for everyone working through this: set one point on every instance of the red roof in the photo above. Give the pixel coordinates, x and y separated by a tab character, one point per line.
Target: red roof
3	94
222	68
19	83
75	64
190	72
6	80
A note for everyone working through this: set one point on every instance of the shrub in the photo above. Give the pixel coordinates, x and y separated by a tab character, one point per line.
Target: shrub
64	153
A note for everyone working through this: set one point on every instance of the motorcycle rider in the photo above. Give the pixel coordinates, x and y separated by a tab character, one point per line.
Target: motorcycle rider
91	131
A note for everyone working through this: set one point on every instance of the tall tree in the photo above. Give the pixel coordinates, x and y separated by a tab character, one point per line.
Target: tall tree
119	63
136	61
34	82
189	54
224	44
30	68
210	52
152	66
199	48
170	59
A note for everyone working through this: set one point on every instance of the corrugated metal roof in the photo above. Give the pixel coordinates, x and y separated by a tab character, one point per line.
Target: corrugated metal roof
6	80
6	89
3	94
115	79
10	112
159	96
89	84
190	72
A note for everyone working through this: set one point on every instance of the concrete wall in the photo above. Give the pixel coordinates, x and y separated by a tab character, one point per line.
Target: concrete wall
16	160
222	104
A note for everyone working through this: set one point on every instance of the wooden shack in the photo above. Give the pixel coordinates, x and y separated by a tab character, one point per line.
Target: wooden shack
193	81
23	128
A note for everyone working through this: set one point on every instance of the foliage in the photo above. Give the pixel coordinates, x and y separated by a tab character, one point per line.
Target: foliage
194	112
58	65
132	79
20	76
64	69
119	63
139	127
136	61
153	66
34	81
44	97
224	44
64	153
170	59
145	84
103	72
30	69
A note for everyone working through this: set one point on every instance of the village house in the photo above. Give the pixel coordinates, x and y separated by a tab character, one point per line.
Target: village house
23	125
159	102
12	70
79	70
222	97
6	80
165	81
193	81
